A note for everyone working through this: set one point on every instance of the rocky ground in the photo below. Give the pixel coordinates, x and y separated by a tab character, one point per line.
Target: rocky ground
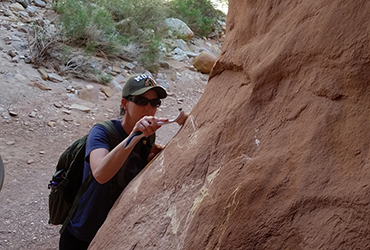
40	118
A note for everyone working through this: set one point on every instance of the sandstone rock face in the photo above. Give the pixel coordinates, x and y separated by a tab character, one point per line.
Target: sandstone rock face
275	155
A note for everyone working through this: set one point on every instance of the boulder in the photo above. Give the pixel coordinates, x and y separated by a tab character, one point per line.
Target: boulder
204	62
24	3
40	3
15	7
178	29
88	94
275	155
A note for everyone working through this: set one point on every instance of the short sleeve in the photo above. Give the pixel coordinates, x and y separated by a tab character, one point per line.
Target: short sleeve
98	138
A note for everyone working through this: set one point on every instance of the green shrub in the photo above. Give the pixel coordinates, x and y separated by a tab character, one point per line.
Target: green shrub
95	24
148	14
106	78
199	15
85	23
151	52
101	76
109	25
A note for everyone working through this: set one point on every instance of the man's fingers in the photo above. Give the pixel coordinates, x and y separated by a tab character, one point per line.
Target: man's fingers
150	156
148	126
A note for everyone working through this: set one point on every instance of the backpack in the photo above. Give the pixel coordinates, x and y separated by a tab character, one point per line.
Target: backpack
66	184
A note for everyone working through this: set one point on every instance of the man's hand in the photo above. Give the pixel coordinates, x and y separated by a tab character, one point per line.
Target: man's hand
148	125
155	150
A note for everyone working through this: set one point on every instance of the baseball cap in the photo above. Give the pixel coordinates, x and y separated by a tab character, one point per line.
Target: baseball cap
138	85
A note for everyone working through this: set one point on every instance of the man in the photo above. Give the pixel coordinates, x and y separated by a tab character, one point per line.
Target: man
113	169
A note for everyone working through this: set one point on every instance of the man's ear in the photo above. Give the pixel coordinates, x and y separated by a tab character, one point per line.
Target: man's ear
123	103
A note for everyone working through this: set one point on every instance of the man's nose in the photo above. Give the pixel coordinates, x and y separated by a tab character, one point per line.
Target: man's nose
148	106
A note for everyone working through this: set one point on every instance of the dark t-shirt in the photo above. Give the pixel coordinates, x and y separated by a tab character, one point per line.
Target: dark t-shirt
98	199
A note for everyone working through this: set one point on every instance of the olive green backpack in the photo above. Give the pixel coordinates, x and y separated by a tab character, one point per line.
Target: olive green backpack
66	184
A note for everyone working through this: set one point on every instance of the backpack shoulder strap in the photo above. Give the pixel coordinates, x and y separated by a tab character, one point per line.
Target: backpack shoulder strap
113	142
114	139
72	210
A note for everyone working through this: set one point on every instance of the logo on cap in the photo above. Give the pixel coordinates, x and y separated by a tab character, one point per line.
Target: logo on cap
148	82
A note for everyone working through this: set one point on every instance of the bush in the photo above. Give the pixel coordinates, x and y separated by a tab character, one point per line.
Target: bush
151	52
85	22
147	14
199	15
107	25
96	24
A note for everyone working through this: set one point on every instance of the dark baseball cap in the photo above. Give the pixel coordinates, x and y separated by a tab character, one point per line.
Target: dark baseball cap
139	84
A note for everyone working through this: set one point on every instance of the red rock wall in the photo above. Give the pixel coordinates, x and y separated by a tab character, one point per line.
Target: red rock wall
275	155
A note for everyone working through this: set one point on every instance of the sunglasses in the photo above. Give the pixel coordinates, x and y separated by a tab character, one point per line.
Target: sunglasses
143	101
